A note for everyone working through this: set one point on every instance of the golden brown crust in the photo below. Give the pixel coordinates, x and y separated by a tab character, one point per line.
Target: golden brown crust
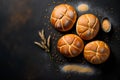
96	52
87	26
63	17
70	45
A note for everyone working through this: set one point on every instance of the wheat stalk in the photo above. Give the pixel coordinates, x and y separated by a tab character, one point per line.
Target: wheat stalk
45	43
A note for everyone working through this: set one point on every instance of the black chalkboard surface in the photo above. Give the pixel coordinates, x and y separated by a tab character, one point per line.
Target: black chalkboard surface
21	59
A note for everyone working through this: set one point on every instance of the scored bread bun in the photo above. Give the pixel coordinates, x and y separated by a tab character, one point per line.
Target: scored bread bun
87	26
63	17
96	52
70	45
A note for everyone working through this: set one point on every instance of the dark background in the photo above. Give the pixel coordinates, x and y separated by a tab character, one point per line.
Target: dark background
21	59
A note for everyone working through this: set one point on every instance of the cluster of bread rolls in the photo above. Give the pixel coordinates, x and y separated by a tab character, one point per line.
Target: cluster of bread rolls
63	18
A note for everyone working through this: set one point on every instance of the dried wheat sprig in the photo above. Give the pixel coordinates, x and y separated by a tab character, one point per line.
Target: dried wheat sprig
45	43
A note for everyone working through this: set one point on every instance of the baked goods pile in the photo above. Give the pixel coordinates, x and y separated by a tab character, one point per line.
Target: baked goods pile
63	19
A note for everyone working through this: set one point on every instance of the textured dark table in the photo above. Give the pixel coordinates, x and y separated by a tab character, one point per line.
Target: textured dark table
21	59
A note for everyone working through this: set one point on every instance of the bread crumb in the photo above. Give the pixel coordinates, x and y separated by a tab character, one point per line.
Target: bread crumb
83	7
77	68
106	25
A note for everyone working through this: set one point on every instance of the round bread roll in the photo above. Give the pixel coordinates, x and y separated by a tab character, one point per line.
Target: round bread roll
87	26
96	52
63	17
70	45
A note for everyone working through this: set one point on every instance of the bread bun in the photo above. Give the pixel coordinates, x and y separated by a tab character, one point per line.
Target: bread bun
87	26
70	45
96	52
63	17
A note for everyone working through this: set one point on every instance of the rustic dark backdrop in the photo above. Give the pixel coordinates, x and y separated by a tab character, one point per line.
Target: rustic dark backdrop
20	59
